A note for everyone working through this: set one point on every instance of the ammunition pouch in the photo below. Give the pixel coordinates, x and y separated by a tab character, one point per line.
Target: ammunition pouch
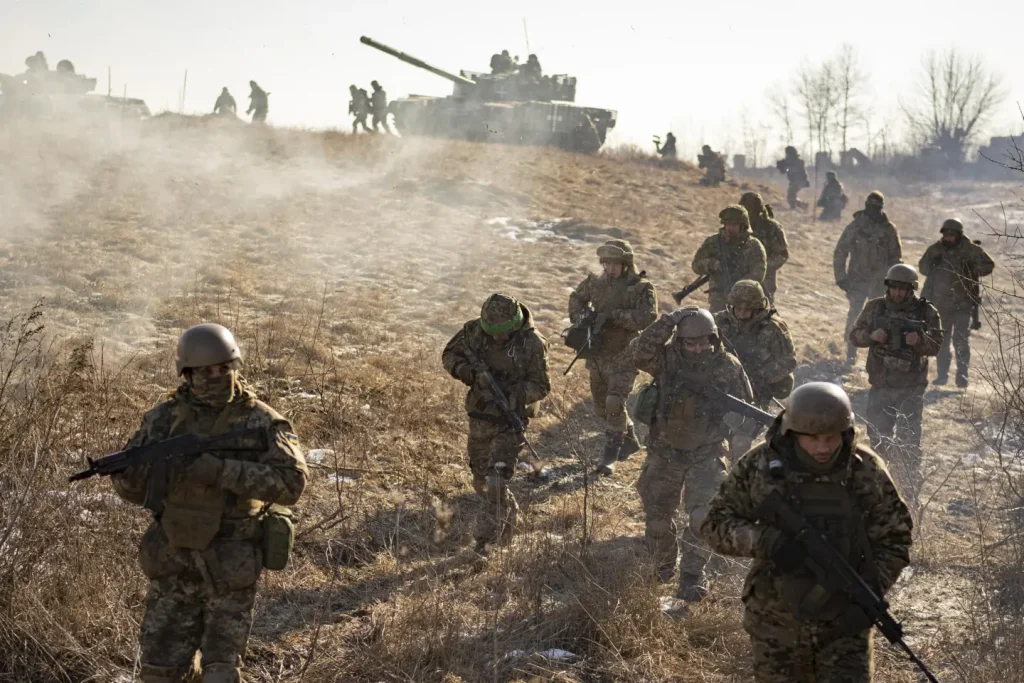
192	515
646	407
278	537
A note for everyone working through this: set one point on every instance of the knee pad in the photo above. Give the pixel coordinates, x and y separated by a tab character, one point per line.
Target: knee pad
221	672
659	526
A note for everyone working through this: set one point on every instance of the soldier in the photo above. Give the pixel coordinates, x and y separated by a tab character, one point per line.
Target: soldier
753	331
532	68
730	255
799	629
37	63
203	553
900	330
667	150
225	104
772	237
953	266
872	245
687	446
258	103
359	107
796	173
379	107
504	340
715	165
501	64
833	199
625	303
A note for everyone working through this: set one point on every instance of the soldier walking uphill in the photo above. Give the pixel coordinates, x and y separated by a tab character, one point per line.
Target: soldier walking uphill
715	165
687	446
730	255
258	103
953	266
359	108
833	199
624	303
225	104
867	248
205	549
379	107
901	331
772	237
800	629
796	174
504	342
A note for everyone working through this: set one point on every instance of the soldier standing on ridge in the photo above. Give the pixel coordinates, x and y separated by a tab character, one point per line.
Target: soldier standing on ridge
667	150
379	106
258	103
204	551
730	255
772	237
687	446
833	199
225	104
796	173
801	630
504	340
901	331
715	165
359	107
624	302
953	266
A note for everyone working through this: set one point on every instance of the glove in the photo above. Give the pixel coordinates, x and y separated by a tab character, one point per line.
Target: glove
465	374
843	285
786	553
677	315
852	621
205	471
601	319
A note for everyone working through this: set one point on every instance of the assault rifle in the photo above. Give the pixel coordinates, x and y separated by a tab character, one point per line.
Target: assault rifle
898	329
582	336
833	571
159	453
690	288
508	416
974	289
729	402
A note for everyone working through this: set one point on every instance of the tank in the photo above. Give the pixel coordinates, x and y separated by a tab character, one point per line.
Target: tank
41	93
513	108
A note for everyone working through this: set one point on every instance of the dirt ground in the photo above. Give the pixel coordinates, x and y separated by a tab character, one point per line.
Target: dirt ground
344	264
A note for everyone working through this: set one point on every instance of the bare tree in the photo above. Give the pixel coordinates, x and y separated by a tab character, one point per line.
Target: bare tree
849	82
956	95
817	91
779	101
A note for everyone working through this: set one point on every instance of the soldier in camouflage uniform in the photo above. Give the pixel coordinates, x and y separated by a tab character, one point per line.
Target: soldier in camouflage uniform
796	174
688	445
504	340
730	255
772	237
953	266
625	303
715	165
871	245
800	630
753	330
202	553
900	331
833	199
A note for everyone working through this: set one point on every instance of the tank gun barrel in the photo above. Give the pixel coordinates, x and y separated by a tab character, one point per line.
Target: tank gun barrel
409	59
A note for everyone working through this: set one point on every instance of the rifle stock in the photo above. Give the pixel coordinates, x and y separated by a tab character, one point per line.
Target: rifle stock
690	288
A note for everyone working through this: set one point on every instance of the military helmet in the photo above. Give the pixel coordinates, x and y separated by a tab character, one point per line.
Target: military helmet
706	149
790	151
902	273
748	294
830	175
696	322
753	203
734	213
374	84
875	197
952	225
206	344
619	251
501	313
817	408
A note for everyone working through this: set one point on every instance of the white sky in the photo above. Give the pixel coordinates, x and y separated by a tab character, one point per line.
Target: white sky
694	68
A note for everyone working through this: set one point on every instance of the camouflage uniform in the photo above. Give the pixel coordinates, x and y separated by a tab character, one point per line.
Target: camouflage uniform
687	448
763	346
715	165
796	174
359	107
225	104
520	367
202	554
772	237
630	304
379	107
833	199
898	379
789	644
872	245
258	103
950	270
744	259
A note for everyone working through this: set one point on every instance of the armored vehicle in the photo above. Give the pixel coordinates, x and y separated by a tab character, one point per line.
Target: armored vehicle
60	93
514	107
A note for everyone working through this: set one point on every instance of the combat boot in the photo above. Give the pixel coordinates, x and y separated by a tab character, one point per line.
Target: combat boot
961	380
610	456
630	444
941	380
692	587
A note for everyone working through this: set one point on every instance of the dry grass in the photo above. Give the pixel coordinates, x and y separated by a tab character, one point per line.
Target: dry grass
343	264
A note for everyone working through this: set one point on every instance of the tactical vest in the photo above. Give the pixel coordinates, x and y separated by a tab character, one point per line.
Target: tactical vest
684	420
505	363
895	355
609	295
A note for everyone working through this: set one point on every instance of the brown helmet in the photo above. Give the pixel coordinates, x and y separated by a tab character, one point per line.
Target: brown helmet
696	322
753	203
734	213
902	273
748	294
619	251
952	226
875	197
817	408
501	313
204	345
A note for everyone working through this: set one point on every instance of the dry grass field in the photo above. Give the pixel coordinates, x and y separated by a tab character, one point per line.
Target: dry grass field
344	264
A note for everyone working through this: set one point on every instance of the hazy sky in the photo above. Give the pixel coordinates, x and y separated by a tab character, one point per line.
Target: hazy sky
694	68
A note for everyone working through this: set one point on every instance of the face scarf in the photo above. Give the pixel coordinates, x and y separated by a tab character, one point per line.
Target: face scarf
216	392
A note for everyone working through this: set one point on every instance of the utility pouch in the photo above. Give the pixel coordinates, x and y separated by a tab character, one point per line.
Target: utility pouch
646	406
278	537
